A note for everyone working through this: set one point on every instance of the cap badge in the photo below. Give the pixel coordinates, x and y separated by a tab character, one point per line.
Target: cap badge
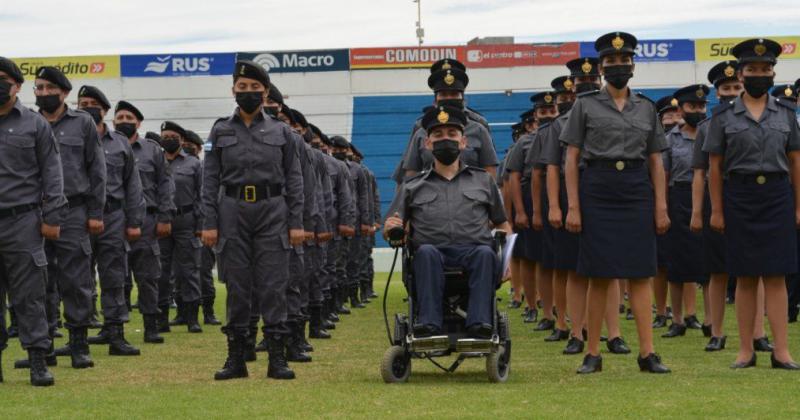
449	79
568	84
760	49
548	98
674	102
788	91
618	43
443	117
700	93
729	71
586	68
446	65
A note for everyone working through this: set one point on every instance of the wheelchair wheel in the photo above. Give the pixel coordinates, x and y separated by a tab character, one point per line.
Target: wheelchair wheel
497	366
396	365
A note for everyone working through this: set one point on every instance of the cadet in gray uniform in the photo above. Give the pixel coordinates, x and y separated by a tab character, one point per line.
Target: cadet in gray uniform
253	205
122	219
368	236
180	252
364	217
158	190
32	197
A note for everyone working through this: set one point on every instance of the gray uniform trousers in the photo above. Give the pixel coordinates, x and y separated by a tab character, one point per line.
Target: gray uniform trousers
110	255
180	260
145	263
329	268
207	261
354	257
341	262
297	292
316	275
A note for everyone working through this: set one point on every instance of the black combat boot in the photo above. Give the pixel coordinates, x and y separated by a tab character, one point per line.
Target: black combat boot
208	312
151	330
278	368
305	345
235	366
179	319
354	302
293	342
329	310
163	319
118	345
341	299
101	337
364	292
94	322
315	329
40	376
191	309
79	348
49	357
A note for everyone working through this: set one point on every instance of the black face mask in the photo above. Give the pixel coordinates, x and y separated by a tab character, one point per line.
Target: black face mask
694	118
340	155
271	110
619	75
455	103
758	86
5	92
586	87
249	101
564	107
669	127
170	145
446	151
545	120
128	129
189	151
726	99
48	103
95	112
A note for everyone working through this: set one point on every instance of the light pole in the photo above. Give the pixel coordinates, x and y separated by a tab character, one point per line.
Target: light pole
420	30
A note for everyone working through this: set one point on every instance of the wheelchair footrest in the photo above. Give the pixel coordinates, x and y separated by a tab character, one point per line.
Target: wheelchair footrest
428	344
474	345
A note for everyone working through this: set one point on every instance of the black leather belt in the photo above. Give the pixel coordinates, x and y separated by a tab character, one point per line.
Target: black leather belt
112	205
759	179
189	208
619	165
253	193
13	211
152	210
75	201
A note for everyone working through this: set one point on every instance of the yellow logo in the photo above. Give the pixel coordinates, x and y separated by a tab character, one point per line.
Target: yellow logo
443	117
618	43
729	71
568	84
449	79
586	68
446	65
788	91
548	98
674	102
700	93
241	70
760	49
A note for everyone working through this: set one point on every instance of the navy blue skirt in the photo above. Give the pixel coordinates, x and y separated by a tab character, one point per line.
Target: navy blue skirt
662	251
713	243
566	252
548	235
760	231
618	239
528	245
685	247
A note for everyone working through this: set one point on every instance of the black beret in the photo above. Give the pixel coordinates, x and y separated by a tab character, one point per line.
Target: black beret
288	112
152	136
193	137
339	141
692	93
585	66
447	64
314	129
722	72
356	151
444	115
451	79
784	91
127	106
171	126
54	76
759	50
275	94
326	140
615	43
10	68
665	104
562	84
299	118
543	99
87	91
526	116
518	127
251	70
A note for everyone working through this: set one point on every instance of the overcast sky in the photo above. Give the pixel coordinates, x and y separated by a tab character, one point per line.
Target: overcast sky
84	27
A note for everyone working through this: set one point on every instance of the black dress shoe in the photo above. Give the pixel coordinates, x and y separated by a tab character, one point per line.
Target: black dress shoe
762	344
531	316
422	331
706	330
652	363
545	325
744	365
629	315
557	335
660	321
617	346
574	346
621	309
480	331
783	365
591	364
716	343
692	322
675	330
515	304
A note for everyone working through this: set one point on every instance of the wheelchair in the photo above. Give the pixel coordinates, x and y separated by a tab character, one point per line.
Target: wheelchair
396	363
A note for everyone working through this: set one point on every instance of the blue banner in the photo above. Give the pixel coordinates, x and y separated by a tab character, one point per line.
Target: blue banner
166	65
300	61
654	50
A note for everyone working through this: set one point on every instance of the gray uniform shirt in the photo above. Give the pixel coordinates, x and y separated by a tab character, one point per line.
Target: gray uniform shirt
342	213
30	164
324	193
601	131
699	157
479	152
360	194
122	177
454	212
678	158
517	157
157	185
552	150
750	146
187	173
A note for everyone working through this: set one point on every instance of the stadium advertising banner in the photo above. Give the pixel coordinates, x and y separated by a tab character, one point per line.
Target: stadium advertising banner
166	65
719	49
400	57
79	67
299	61
654	50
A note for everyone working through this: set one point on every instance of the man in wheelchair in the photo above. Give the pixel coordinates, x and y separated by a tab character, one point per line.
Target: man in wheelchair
448	213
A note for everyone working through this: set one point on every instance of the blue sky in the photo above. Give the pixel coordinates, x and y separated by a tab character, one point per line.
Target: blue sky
82	27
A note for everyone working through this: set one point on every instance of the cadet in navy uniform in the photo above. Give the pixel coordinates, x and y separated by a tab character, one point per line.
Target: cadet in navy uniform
122	219
685	248
618	209
755	142
253	205
32	197
449	210
180	252
158	190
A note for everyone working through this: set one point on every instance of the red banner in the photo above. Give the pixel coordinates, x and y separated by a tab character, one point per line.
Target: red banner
555	54
485	56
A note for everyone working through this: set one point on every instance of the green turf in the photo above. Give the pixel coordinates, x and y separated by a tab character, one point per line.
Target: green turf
175	380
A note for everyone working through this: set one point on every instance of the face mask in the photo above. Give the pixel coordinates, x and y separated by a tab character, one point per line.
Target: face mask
96	114
669	127
171	145
340	155
618	76
545	120
189	151
586	87
48	103
315	145
128	129
308	136
249	101
694	118
564	107
272	110
455	103
5	92
758	86
446	151
726	99
350	157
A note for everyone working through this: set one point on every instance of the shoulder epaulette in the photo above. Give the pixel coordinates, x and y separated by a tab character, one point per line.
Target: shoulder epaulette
589	93
643	96
722	108
787	104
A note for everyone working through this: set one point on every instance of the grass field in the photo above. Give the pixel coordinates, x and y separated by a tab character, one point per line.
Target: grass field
175	380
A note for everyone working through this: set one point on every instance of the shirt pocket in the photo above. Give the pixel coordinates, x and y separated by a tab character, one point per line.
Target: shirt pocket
424	205
269	151
637	134
777	136
147	173
601	132
19	152
71	151
115	165
476	208
740	141
227	150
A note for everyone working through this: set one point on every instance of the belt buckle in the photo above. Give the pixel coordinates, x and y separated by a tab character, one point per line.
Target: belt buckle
761	180
620	165
250	193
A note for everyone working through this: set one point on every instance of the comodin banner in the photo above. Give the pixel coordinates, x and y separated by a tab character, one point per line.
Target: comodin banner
79	67
718	49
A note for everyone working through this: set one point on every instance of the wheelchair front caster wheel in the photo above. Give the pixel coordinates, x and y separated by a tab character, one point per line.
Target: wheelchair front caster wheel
396	365
497	366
